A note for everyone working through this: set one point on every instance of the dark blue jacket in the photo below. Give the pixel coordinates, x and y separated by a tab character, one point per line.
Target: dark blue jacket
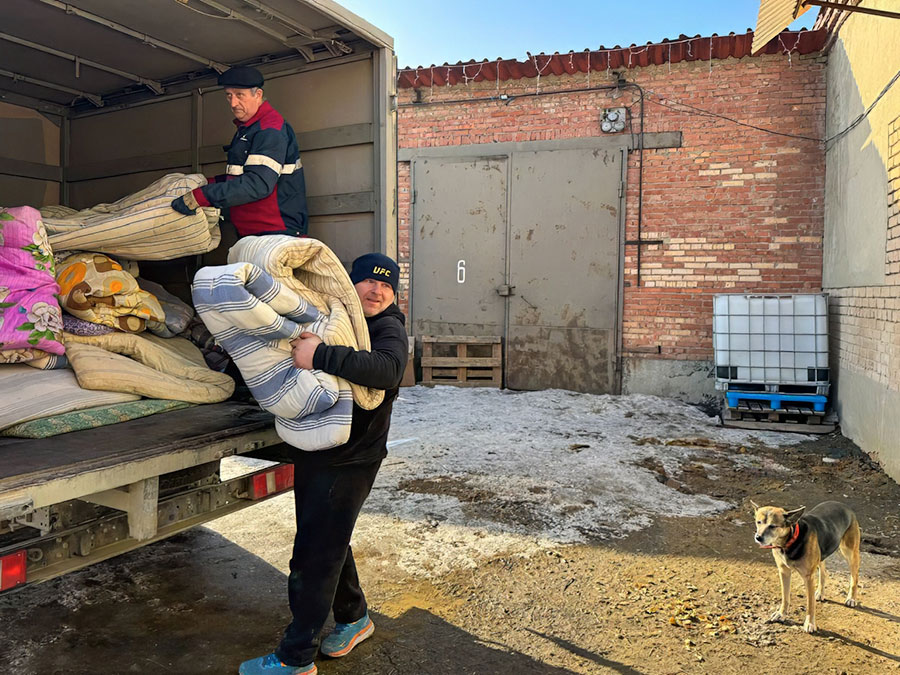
263	186
380	368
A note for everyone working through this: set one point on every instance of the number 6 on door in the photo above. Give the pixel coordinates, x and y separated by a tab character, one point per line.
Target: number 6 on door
461	272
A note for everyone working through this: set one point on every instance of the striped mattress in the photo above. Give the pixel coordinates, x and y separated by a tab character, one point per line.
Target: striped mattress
254	318
141	226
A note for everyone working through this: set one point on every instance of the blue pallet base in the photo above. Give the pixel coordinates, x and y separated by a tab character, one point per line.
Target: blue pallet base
808	388
775	399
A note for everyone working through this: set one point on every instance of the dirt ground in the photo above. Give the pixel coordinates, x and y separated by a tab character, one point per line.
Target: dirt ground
682	595
687	595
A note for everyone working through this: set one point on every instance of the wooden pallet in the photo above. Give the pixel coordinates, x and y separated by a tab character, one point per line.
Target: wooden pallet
799	419
462	360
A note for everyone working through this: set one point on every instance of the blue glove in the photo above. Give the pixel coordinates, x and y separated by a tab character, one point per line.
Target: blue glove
186	204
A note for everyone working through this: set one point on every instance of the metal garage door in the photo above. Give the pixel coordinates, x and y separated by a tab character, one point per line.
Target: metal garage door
459	254
525	246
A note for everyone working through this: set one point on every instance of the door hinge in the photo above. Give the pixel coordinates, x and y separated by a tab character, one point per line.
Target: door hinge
506	290
621	189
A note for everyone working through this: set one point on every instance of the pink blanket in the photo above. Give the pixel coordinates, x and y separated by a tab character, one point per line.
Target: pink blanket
30	318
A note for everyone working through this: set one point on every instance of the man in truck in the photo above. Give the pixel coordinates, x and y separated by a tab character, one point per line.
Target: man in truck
330	486
263	187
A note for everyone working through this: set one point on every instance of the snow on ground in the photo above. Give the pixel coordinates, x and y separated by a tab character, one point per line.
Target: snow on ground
473	473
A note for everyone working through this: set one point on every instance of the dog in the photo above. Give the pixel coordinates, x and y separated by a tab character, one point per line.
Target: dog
801	542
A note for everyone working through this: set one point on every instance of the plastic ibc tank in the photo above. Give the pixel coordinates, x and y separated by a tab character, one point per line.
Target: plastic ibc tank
771	339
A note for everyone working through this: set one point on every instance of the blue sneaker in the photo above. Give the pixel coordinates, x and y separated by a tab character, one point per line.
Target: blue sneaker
272	665
346	636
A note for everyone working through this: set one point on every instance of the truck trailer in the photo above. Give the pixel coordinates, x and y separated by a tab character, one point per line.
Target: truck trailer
99	98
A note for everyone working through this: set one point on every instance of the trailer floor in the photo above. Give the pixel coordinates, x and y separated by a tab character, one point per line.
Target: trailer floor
466	575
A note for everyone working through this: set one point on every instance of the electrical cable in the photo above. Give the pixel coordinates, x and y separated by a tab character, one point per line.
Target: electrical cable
640	217
693	110
506	98
669	103
865	114
685	109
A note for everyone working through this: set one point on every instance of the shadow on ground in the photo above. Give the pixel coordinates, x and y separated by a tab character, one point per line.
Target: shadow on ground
197	603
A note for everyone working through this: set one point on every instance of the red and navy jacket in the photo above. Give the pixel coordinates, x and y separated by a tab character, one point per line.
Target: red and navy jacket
263	187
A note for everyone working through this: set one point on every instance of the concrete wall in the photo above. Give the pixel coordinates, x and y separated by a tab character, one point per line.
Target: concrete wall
685	380
862	233
736	209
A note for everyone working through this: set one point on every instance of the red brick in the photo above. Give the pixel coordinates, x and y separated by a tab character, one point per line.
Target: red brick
678	202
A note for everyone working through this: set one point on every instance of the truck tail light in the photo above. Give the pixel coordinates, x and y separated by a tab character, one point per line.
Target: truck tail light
270	482
12	570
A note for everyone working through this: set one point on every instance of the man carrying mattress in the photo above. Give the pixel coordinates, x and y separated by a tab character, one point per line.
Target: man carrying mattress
330	486
263	186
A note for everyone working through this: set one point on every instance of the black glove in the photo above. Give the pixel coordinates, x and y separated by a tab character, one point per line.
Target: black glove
186	204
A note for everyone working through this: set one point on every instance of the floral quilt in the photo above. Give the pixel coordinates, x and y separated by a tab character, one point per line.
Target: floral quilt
94	287
30	317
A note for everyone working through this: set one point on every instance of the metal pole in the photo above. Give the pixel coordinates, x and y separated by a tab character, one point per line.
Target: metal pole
852	8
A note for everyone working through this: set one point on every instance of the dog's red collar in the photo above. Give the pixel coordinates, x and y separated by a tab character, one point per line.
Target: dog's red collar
794	535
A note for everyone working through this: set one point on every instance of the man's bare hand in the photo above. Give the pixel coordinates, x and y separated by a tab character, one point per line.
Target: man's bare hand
303	348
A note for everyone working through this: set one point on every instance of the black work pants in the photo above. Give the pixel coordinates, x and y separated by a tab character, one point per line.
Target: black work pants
322	572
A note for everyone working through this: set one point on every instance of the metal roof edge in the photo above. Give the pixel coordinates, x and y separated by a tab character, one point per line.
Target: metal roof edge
356	23
684	48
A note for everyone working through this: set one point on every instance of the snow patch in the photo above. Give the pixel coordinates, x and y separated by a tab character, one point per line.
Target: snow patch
557	465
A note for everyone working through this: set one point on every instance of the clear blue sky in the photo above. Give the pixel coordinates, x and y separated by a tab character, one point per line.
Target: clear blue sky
429	32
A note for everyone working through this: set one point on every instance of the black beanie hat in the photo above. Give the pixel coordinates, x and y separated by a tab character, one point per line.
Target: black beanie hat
243	77
375	266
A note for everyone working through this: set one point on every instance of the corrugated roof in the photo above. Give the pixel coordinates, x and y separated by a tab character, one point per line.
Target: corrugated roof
831	19
774	16
684	48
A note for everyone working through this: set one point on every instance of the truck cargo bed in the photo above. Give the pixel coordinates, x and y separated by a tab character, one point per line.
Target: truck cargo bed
44	471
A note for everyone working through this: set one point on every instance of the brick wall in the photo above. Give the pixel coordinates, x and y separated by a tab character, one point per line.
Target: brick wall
739	210
865	332
892	260
403	225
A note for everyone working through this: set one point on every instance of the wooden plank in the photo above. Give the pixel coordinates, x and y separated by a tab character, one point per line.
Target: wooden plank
24	460
469	383
334	137
35	170
426	354
444	372
455	339
454	361
462	369
333	205
122	167
796	428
